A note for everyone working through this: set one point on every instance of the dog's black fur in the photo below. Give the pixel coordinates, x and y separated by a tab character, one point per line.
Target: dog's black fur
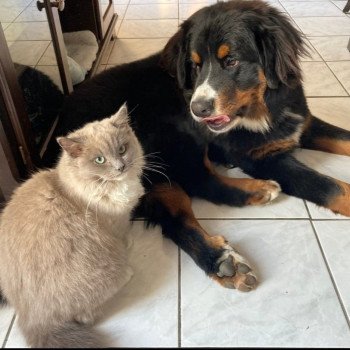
240	60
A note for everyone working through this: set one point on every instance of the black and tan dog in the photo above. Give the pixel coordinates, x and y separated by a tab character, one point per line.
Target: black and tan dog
227	88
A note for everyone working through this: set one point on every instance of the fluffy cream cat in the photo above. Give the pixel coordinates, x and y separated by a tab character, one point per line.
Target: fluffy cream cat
62	252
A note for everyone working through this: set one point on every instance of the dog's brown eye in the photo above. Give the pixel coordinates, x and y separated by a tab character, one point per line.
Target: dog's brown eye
230	62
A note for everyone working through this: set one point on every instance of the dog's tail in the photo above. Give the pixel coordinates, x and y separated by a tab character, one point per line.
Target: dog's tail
68	335
322	136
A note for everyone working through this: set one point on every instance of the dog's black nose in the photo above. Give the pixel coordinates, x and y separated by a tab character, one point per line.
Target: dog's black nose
202	108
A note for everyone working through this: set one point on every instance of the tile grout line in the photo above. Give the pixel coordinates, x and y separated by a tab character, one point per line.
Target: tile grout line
179	313
323	60
328	66
331	61
337	78
306	208
337	7
340	300
117	32
149	37
8	331
37	63
261	219
345	16
27	6
322	97
326	36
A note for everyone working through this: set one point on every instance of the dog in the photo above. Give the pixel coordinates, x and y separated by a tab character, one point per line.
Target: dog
225	89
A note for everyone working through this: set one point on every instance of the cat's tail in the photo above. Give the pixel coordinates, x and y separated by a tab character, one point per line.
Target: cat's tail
68	335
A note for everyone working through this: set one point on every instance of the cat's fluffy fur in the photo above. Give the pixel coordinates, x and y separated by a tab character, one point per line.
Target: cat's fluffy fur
62	252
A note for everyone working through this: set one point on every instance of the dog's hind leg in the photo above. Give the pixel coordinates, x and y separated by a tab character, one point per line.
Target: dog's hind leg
321	136
298	180
170	207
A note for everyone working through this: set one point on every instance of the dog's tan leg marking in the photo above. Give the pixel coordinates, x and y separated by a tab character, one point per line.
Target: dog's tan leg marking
332	146
261	191
272	148
234	270
341	203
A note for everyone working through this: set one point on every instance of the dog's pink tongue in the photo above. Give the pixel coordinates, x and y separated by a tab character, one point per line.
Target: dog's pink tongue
218	119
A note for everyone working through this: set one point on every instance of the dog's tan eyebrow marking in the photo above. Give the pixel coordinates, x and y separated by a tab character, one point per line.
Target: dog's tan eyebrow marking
223	51
195	57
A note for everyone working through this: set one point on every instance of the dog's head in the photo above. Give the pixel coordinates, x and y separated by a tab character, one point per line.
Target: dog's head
225	57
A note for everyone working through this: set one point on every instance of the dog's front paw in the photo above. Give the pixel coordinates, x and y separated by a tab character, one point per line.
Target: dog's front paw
265	193
234	271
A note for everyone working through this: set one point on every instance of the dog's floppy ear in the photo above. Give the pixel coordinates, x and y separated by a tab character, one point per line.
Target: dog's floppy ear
174	58
280	45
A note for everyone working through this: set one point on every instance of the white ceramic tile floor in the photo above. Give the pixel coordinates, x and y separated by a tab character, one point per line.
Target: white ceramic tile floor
4	25
27	31
28	36
126	50
152	11
312	9
342	72
335	241
332	48
320	81
300	251
340	4
313	54
161	28
323	26
32	14
27	52
186	10
295	305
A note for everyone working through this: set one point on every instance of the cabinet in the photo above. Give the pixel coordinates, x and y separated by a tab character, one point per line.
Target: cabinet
54	26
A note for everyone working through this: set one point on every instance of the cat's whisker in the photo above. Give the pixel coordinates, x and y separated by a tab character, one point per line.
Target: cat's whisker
146	177
155	165
129	112
152	155
159	172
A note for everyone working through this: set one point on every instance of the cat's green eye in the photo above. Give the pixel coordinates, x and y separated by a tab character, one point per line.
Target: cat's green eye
100	160
122	149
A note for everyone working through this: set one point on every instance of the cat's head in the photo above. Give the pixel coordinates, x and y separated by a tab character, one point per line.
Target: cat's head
104	150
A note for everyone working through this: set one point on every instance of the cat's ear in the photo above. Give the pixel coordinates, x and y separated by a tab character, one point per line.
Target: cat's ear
72	147
121	117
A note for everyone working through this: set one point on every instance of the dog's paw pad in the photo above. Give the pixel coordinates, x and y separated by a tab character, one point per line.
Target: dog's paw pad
273	188
235	272
268	191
